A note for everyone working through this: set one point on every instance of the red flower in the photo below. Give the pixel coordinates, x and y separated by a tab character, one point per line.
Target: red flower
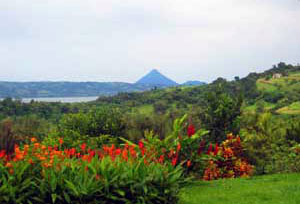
132	151
118	151
201	147
61	141
161	159
72	152
191	130
174	161
210	149
188	163
238	140
216	149
171	153
178	147
82	147
141	144
125	155
142	147
2	154
126	146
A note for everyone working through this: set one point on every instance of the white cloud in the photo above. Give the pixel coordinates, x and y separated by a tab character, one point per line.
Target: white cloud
116	40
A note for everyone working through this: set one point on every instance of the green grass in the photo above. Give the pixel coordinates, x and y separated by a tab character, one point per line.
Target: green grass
271	189
264	85
146	109
253	107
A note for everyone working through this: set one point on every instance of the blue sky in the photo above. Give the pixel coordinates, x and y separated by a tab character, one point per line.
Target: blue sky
115	40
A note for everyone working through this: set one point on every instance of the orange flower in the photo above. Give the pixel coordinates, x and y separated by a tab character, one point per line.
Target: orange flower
11	171
43	147
36	145
47	165
178	147
33	139
61	141
42	158
26	147
30	161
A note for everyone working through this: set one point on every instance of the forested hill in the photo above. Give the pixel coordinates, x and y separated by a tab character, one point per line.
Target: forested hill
277	89
66	89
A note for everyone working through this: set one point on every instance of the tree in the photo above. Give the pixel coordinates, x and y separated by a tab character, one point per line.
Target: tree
221	115
97	122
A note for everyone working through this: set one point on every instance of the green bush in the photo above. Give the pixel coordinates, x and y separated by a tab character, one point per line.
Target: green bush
95	123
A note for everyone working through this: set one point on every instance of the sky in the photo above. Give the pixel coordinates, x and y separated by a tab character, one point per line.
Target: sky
117	40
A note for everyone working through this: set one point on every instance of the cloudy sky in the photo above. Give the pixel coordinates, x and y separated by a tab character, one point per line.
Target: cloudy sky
117	40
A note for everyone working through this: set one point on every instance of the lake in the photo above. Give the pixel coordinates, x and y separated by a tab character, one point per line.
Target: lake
62	99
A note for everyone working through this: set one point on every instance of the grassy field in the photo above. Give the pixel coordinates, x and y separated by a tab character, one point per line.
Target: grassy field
146	109
270	189
252	108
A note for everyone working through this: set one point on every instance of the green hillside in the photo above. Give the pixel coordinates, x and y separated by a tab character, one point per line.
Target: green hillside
284	90
285	84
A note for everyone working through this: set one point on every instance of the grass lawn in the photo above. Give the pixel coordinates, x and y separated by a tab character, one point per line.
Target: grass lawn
270	189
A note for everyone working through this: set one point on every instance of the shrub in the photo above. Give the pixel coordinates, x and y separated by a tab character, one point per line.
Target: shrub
227	161
97	122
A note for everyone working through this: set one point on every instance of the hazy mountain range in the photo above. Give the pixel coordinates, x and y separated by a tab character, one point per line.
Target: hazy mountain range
154	79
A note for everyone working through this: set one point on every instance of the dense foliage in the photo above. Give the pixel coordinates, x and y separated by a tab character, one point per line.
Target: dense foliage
140	147
152	171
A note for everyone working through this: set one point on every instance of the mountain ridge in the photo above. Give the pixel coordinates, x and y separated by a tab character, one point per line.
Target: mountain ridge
40	89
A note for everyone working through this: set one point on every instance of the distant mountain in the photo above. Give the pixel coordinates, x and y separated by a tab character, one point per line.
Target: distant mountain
67	89
193	83
156	78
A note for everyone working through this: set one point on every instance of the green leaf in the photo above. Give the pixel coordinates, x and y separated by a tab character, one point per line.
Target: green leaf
127	141
72	187
53	196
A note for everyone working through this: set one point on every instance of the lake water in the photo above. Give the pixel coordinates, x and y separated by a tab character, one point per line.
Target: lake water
62	99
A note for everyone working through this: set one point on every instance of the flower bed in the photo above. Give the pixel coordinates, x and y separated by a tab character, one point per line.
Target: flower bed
152	171
45	174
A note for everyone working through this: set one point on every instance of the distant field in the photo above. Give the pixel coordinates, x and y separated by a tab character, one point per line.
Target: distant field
271	189
146	109
284	84
294	108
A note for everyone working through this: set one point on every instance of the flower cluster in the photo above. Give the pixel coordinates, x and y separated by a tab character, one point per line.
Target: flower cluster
227	160
216	161
47	156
